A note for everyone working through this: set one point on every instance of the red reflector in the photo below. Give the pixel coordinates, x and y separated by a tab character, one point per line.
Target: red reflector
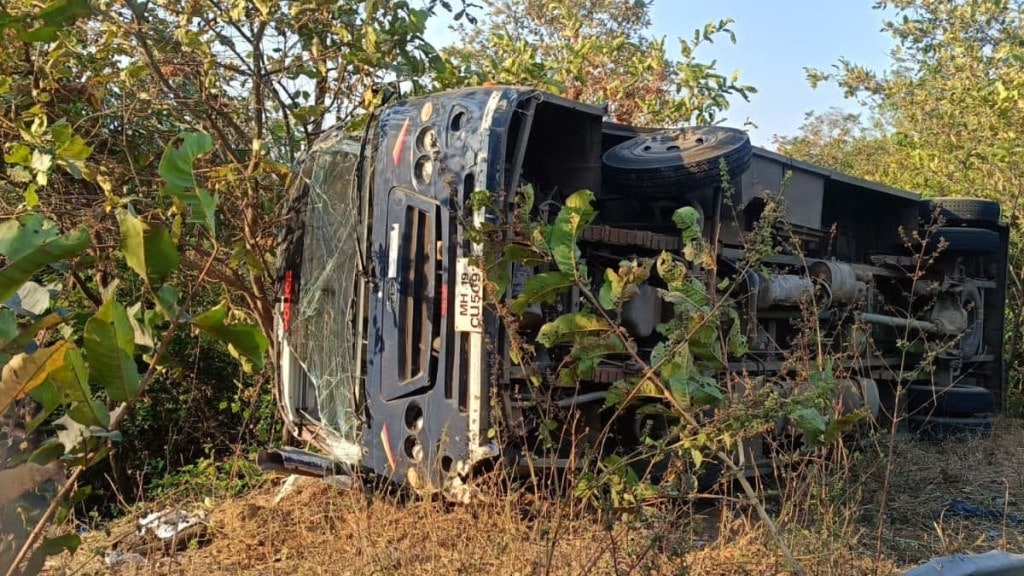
444	299
286	302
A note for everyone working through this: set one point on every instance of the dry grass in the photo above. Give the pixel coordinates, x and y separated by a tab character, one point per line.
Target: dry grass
829	519
984	472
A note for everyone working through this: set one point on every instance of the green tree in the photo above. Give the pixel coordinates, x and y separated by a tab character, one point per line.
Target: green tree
145	149
842	141
951	98
598	52
89	105
946	118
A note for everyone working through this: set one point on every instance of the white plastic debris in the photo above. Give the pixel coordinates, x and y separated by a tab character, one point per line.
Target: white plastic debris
171	524
287	488
117	557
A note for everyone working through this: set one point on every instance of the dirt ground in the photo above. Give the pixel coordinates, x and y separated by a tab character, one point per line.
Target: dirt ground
831	524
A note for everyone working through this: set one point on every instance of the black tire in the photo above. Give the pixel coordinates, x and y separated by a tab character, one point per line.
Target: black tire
949	428
924	400
971	211
963	240
668	162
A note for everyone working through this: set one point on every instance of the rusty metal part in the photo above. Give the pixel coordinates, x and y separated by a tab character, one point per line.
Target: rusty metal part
972	303
788	290
897	322
842	281
949	315
633	238
857	393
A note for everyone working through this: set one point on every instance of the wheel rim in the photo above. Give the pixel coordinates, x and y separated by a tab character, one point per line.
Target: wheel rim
674	143
971	342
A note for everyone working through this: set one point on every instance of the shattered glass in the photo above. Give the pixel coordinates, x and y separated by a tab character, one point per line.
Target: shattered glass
326	330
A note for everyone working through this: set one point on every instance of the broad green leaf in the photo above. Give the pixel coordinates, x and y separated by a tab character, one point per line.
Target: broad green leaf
697	457
176	164
19	237
608	296
8	327
687	220
167	302
524	202
26	371
206	209
147	248
671	271
586	356
202	205
55	17
839	427
676	366
570	327
696	390
90	413
110	351
74	149
569	224
418	21
63	12
46	453
674	362
28	335
31	196
21	270
511	255
69	384
705	344
60	131
622	285
20	154
72	380
736	340
689	296
39	34
48	398
246	342
177	170
72	154
541	288
811	423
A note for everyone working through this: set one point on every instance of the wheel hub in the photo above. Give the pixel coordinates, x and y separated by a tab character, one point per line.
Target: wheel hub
676	142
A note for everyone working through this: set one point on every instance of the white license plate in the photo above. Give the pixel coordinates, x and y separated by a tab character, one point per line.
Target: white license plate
469	297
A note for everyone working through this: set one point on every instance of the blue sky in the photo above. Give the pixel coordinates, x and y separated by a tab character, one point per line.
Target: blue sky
776	39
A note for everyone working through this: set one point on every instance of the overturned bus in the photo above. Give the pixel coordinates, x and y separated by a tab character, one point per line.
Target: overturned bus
393	358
